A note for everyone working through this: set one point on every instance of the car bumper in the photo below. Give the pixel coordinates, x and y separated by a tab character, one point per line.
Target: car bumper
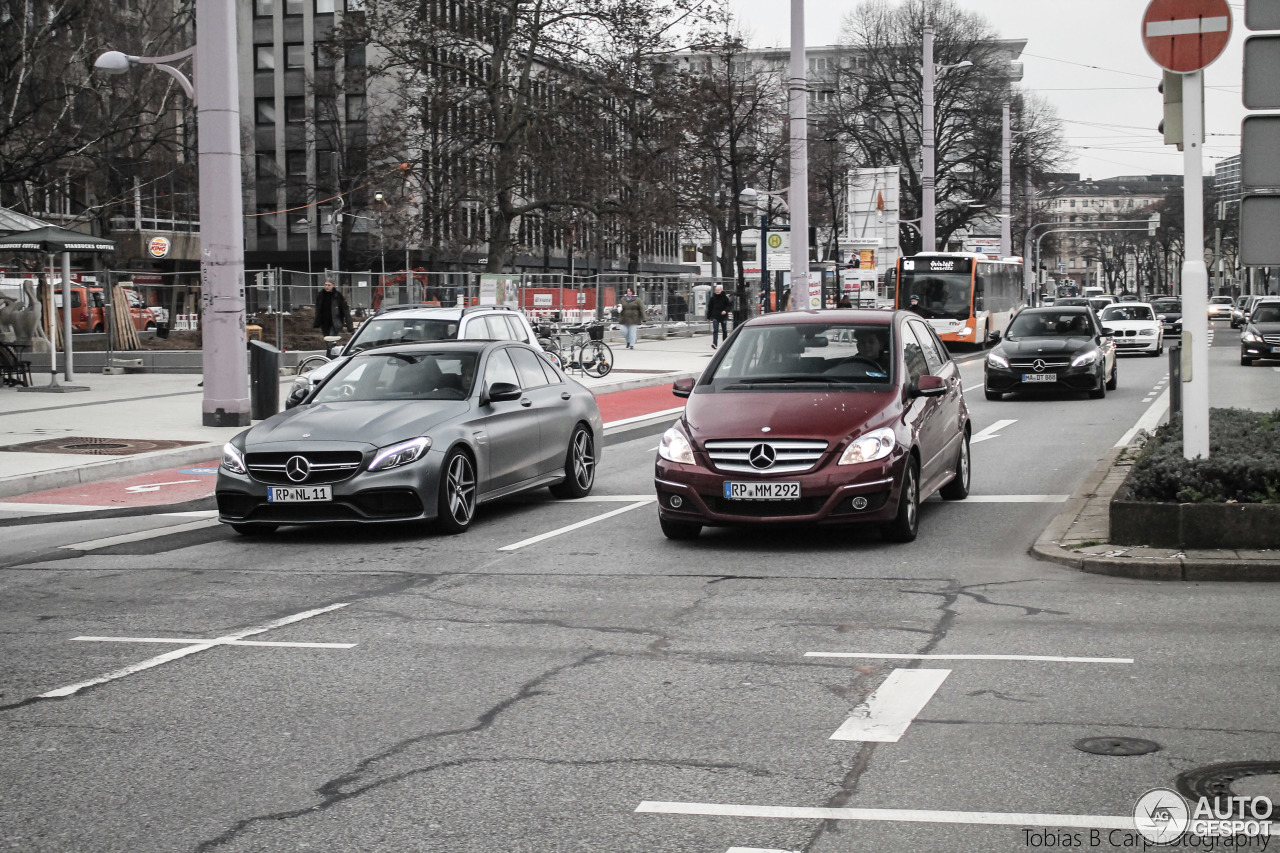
1260	350
1086	378
693	493
401	494
1137	344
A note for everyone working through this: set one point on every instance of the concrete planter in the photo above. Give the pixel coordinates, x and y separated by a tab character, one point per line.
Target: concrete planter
1193	526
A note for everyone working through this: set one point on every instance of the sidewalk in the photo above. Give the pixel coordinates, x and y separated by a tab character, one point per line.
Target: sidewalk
1078	537
142	423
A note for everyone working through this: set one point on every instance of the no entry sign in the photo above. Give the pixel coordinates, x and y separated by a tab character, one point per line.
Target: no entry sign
1186	35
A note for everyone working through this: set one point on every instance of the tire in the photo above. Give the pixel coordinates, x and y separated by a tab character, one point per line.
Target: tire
548	345
993	395
958	488
1100	392
457	503
596	358
1159	350
1115	377
906	524
255	529
150	327
579	466
1246	362
679	530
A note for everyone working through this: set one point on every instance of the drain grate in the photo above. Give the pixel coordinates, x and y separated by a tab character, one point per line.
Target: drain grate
1116	746
1220	782
91	446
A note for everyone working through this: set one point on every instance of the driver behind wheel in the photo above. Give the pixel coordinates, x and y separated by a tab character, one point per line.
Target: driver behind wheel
871	345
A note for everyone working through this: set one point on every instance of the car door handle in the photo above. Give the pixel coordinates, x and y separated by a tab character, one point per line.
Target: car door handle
526	402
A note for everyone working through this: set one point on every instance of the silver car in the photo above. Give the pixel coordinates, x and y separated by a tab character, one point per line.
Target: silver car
415	432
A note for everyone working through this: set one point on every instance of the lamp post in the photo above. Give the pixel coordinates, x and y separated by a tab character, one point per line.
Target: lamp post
799	209
928	213
225	358
1006	221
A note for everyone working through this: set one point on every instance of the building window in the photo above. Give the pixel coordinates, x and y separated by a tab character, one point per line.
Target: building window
1073	202
355	57
296	163
293	7
689	254
264	111
325	7
295	109
265	57
266	166
264	8
295	56
266	221
324	54
355	107
749	253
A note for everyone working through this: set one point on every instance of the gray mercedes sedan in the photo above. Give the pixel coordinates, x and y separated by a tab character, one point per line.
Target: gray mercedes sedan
415	432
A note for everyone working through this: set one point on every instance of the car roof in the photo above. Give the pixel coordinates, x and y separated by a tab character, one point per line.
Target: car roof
468	345
1057	309
867	316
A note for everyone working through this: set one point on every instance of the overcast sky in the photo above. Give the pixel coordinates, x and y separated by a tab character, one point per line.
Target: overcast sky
1086	58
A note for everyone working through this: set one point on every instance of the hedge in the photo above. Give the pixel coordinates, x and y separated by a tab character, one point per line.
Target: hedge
1243	464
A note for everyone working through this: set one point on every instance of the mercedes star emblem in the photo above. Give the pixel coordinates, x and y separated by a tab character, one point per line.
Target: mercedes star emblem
1038	365
762	456
297	468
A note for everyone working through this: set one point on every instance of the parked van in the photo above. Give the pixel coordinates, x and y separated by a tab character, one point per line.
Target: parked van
88	310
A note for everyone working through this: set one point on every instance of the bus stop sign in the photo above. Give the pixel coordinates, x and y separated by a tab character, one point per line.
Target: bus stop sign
1186	35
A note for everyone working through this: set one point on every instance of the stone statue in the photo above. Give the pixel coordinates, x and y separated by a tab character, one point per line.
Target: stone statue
18	323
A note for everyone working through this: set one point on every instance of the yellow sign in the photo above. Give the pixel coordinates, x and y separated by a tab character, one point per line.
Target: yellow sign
775	240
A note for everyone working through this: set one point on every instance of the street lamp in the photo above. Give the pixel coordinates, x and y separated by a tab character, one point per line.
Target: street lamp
382	246
927	180
224	358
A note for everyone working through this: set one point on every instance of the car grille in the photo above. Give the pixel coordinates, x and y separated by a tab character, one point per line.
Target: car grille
764	509
1029	363
1271	339
785	456
326	466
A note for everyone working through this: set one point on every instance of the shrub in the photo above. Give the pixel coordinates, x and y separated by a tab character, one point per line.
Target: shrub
1243	464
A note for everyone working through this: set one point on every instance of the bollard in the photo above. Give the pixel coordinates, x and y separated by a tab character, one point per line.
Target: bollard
264	380
1175	380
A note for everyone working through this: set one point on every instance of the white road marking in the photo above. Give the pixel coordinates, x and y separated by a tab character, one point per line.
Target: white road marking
1276	369
665	413
758	850
177	654
125	538
1047	658
539	538
155	487
887	713
50	509
984	434
1072	821
1017	499
974	386
187	641
195	513
1149	420
605	499
1187	26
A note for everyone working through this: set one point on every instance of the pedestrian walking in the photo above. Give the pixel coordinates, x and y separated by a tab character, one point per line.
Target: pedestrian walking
332	315
718	313
631	316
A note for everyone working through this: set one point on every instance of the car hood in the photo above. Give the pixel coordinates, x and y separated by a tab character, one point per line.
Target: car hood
1130	324
1172	315
1265	328
372	423
1032	347
826	415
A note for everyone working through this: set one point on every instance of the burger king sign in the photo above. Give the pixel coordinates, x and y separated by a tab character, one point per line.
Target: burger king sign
158	247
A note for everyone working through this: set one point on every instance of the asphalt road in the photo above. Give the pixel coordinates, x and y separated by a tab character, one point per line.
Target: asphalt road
456	696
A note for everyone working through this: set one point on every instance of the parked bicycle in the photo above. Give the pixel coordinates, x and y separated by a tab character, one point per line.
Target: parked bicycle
313	361
578	347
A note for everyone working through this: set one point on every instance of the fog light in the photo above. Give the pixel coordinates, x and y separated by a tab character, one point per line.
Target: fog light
859	503
676	502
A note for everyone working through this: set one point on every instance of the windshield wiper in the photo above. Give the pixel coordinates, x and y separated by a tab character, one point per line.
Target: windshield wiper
792	380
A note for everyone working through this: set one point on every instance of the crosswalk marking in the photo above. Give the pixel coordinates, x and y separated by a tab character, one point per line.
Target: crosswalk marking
887	713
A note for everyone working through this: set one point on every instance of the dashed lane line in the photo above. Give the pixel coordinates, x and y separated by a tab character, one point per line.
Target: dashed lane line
889	711
533	540
1149	420
883	656
1014	499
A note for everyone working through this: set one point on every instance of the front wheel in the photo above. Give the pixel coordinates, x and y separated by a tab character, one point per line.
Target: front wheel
906	524
579	466
457	502
595	358
679	530
1115	377
958	488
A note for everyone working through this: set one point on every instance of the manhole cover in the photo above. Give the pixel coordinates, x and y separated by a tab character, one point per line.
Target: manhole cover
91	446
1219	782
1116	745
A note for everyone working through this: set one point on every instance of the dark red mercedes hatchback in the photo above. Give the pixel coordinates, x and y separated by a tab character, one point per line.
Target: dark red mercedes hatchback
817	417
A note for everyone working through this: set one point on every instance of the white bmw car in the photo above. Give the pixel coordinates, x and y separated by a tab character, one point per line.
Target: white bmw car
1135	327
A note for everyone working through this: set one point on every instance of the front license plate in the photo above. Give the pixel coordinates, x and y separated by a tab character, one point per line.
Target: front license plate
762	491
299	494
1039	377
1275	349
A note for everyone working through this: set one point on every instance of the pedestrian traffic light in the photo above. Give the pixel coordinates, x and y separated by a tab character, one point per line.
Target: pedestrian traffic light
1171	125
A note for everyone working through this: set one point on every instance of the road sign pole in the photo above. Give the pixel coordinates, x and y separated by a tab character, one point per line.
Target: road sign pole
1195	276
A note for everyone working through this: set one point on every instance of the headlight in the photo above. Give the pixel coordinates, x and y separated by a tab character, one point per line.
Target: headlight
964	332
400	454
1146	333
996	360
675	447
868	448
233	459
1250	337
1085	358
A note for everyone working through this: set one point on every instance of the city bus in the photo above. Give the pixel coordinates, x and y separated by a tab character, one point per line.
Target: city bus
964	297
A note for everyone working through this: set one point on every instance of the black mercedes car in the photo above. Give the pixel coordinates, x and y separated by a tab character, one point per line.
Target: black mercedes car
415	432
1261	336
1169	313
1053	347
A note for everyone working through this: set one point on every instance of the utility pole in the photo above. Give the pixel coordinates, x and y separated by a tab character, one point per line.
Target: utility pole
335	234
928	213
798	198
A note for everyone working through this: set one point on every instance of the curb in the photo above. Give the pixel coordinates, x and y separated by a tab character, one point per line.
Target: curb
1175	568
108	469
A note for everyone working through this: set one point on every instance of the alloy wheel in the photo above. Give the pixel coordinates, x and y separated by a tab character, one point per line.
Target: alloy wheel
461	490
584	460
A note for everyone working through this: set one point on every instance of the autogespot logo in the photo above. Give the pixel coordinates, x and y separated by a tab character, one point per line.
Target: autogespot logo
1161	816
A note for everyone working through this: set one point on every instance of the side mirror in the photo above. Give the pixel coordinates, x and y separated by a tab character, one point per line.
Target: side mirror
500	392
335	351
1108	332
995	336
927	386
682	387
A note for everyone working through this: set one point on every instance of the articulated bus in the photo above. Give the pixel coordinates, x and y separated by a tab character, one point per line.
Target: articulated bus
963	297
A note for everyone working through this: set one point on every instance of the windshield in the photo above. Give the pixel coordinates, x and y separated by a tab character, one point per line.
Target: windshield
808	353
1050	324
1220	300
401	376
383	331
1167	306
1126	312
945	294
1267	312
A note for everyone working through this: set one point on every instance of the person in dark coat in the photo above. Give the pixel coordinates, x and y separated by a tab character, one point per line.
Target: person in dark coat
332	315
718	308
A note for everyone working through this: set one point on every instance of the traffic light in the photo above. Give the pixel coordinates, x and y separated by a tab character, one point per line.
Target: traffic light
1171	125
